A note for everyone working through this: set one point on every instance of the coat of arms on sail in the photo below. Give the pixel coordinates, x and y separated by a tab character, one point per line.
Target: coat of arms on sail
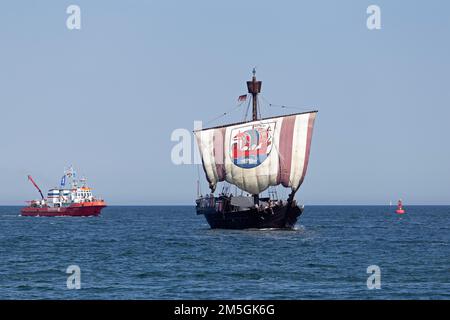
251	145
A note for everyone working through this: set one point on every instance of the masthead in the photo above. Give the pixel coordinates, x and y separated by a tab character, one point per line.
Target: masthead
254	87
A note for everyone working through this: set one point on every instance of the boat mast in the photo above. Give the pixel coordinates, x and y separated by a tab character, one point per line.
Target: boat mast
254	87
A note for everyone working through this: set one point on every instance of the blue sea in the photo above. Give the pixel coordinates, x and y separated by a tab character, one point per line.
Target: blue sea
170	253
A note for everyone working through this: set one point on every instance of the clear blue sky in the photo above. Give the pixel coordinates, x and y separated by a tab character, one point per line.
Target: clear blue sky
107	97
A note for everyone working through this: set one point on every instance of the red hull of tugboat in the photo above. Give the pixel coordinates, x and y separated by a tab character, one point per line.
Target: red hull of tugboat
85	209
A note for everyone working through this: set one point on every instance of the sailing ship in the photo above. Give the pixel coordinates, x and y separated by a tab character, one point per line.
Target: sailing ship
75	200
254	156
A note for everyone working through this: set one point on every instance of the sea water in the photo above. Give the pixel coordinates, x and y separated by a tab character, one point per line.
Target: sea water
171	253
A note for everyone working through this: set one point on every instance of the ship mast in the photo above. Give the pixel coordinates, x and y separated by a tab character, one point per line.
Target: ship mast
254	87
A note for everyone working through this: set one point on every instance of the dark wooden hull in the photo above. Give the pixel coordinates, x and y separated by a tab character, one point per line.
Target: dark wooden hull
280	217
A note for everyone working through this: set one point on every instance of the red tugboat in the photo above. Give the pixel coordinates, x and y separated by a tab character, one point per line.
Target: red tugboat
76	201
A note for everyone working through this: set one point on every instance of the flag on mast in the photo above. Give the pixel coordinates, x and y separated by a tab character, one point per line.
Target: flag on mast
242	98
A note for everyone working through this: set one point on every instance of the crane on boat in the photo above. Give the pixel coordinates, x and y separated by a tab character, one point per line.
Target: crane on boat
30	178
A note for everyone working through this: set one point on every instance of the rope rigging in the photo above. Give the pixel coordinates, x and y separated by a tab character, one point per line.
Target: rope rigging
272	105
225	113
266	103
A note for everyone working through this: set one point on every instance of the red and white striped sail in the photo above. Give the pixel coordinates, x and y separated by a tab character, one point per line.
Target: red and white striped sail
258	154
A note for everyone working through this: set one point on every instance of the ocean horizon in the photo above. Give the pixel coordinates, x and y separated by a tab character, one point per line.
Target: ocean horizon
169	252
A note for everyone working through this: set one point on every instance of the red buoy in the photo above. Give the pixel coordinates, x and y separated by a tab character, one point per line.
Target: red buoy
400	209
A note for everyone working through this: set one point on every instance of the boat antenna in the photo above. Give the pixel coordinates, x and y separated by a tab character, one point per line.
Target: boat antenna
254	88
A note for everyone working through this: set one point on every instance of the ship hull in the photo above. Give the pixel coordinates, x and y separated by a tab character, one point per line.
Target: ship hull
281	217
75	210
